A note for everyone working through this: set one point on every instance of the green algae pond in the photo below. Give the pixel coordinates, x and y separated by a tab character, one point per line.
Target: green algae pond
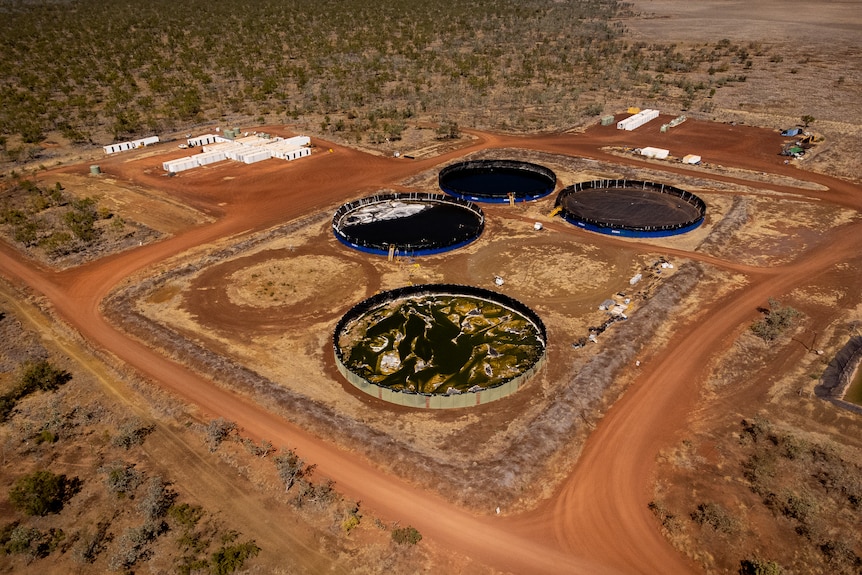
440	343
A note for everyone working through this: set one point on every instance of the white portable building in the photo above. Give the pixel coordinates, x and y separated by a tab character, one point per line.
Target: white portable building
123	146
298	141
255	155
637	120
204	140
691	159
234	152
180	164
207	158
252	141
219	145
290	148
292	153
657	153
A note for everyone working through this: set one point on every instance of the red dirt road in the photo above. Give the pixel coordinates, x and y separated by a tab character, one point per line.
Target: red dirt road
598	521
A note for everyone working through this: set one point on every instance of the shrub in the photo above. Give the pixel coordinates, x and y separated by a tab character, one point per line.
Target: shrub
759	567
186	515
90	544
121	478
262	450
33	542
668	520
776	321
217	431
352	520
291	468
715	516
131	433
406	536
36	376
132	547
230	558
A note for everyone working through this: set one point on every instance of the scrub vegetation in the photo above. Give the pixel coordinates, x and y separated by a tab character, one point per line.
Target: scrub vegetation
57	227
82	491
781	483
358	70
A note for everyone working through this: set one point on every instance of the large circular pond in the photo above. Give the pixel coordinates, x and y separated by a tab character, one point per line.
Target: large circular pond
631	208
439	345
497	180
408	224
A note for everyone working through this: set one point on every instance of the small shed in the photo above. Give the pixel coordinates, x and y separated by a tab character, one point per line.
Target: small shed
658	153
691	159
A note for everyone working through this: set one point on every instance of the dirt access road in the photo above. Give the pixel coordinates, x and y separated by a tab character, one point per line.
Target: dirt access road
598	521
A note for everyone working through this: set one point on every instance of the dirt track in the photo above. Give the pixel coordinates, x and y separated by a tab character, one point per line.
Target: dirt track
598	522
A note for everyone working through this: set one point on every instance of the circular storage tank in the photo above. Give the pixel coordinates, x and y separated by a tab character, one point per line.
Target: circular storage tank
497	180
631	208
439	345
408	224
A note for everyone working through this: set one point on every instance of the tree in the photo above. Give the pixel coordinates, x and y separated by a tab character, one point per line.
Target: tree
39	493
131	433
807	119
157	498
217	431
448	131
41	376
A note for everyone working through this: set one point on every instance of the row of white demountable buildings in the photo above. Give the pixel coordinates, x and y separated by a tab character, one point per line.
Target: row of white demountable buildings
248	150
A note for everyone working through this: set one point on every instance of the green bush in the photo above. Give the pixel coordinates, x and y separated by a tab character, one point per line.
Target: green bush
230	558
759	567
41	376
406	536
39	493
